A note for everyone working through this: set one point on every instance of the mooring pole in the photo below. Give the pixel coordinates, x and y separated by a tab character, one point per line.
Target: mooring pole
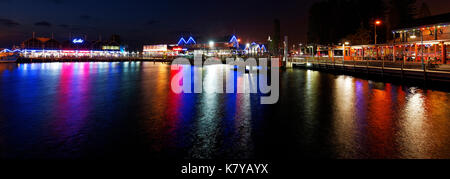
286	52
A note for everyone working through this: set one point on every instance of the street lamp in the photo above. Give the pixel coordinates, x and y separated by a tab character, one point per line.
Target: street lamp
211	47
377	22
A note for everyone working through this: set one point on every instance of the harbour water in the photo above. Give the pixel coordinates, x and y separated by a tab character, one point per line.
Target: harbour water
126	110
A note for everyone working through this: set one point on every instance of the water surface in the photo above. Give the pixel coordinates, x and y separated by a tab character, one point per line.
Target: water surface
127	111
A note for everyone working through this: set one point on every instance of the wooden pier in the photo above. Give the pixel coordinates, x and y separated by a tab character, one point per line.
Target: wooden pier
410	71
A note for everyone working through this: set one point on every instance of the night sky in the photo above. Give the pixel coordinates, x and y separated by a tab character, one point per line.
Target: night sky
152	22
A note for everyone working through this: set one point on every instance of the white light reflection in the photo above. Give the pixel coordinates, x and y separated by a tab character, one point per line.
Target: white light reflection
413	136
213	79
344	122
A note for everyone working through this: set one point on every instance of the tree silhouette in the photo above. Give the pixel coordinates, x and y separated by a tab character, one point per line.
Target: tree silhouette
361	37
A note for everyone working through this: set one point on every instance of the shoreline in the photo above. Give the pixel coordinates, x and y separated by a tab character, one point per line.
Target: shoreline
383	73
36	60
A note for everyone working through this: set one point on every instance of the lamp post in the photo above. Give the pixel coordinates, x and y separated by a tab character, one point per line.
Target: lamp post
377	22
211	46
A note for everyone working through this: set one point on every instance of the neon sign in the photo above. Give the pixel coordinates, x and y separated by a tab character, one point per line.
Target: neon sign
77	41
233	39
191	40
177	49
182	41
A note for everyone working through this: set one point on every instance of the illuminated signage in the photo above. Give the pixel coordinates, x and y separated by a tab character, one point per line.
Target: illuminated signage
182	41
78	41
190	41
177	49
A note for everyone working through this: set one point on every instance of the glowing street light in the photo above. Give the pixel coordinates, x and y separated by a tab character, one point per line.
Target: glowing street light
211	44
377	22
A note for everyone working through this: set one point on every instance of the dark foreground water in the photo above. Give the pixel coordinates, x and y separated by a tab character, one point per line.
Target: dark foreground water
127	111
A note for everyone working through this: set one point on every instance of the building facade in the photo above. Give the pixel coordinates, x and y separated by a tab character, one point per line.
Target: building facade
76	47
426	40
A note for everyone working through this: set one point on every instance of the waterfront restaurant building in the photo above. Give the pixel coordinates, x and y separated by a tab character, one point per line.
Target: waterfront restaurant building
427	38
218	47
77	47
161	51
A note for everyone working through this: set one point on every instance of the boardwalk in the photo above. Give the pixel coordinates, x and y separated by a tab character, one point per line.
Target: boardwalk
408	70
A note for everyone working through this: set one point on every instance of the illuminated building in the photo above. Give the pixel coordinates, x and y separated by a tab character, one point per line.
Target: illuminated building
161	51
426	40
226	46
76	47
255	49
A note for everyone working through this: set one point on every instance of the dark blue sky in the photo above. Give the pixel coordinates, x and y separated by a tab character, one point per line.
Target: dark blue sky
148	22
